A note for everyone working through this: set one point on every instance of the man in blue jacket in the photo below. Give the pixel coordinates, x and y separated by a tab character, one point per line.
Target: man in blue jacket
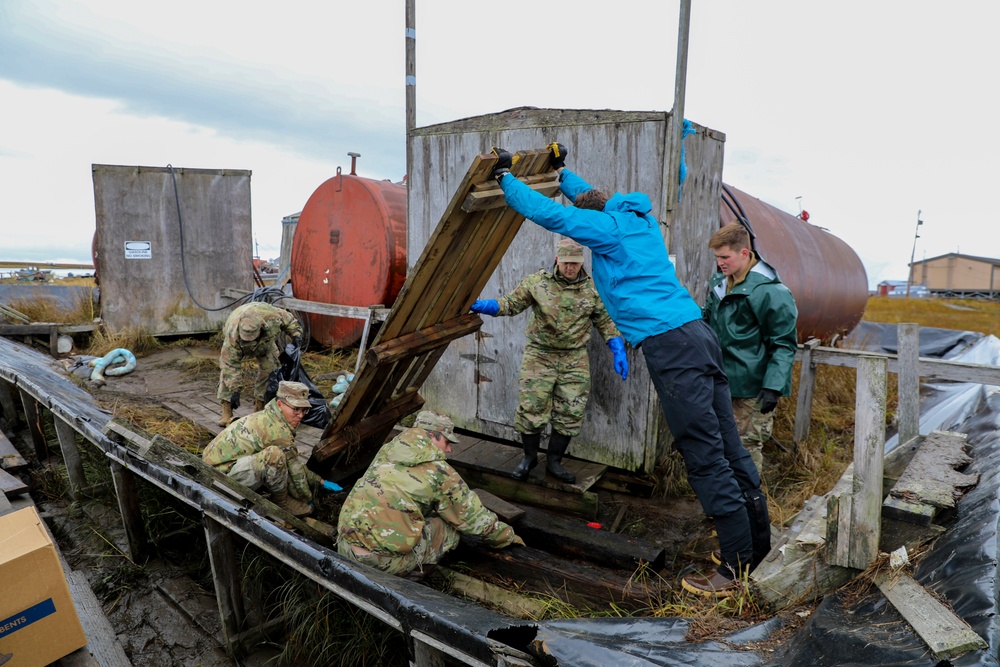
640	288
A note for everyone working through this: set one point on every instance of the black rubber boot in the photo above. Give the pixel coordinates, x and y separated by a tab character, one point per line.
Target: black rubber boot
530	460
557	447
760	524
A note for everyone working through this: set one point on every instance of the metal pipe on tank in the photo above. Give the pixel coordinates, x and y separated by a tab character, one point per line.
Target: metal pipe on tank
824	274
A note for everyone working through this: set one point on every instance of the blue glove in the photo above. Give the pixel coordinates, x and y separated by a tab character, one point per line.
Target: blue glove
617	346
486	306
332	486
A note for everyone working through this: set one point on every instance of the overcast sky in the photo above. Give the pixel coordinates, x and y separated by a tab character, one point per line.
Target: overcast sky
867	111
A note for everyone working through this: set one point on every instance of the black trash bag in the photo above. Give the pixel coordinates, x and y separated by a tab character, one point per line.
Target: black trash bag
290	369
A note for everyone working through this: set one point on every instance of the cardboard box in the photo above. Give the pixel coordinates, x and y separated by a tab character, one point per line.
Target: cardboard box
38	622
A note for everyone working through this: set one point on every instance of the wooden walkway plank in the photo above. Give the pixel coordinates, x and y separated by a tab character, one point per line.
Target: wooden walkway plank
10	458
11	486
931	481
947	635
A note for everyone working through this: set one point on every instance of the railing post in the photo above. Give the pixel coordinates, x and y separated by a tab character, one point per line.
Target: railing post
807	382
908	354
71	457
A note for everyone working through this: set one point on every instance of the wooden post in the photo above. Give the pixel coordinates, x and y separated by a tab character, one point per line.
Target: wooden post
675	126
908	336
807	382
425	651
7	404
71	457
869	453
34	426
131	510
225	574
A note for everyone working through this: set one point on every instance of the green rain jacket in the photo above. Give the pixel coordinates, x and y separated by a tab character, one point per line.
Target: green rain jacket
755	323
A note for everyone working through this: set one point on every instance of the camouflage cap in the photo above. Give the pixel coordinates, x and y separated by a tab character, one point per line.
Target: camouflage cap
294	394
569	250
435	421
250	328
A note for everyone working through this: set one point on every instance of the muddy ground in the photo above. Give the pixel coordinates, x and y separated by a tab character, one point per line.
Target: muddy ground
163	609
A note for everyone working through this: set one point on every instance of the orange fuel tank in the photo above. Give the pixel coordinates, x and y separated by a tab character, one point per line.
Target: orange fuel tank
824	274
349	249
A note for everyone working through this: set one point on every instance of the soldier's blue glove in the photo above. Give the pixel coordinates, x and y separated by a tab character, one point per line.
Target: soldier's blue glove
332	486
617	346
768	400
486	307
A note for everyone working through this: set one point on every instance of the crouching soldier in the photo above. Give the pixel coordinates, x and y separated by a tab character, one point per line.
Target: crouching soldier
411	506
251	332
259	450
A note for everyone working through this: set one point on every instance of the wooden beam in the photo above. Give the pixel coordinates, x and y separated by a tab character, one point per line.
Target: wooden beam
333	310
942	369
425	340
869	454
71	457
10	413
482	200
131	510
32	417
226	577
581	504
46	328
509	602
354	435
508	512
10	458
574	538
947	635
11	486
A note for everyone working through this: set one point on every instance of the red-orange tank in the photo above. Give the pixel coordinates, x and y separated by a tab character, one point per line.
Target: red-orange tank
349	249
824	274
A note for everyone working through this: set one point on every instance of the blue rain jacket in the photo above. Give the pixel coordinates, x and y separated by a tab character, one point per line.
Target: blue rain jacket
631	268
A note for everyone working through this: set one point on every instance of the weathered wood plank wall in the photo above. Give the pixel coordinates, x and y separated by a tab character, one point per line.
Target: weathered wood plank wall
476	379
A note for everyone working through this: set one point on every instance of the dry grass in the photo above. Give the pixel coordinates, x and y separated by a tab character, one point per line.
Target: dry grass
160	421
82	311
960	314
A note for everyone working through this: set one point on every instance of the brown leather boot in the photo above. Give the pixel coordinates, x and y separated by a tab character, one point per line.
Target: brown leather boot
227	414
258	405
291	505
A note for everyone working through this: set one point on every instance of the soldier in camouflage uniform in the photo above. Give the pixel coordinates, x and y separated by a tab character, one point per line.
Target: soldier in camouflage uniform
554	383
411	506
259	450
754	315
251	331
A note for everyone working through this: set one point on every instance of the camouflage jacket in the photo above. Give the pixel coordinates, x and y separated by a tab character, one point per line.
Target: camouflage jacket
249	435
272	320
561	311
411	480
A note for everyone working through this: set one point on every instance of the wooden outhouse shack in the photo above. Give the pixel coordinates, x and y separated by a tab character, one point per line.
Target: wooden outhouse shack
475	381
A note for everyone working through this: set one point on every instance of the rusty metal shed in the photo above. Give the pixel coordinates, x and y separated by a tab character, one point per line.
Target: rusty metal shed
475	381
188	237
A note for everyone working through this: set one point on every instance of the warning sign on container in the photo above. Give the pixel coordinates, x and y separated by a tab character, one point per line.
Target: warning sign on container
138	250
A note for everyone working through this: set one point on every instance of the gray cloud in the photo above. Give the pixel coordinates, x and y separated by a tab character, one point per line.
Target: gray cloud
242	103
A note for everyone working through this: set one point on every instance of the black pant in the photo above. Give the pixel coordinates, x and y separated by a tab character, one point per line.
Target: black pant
685	365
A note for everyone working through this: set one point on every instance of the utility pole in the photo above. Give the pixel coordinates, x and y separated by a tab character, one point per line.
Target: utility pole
916	235
675	129
411	78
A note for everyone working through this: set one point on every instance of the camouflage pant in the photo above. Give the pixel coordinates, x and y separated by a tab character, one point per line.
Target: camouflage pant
277	471
436	539
553	387
231	365
754	427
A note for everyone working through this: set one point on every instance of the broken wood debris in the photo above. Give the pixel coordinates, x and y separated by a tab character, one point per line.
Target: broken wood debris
931	481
